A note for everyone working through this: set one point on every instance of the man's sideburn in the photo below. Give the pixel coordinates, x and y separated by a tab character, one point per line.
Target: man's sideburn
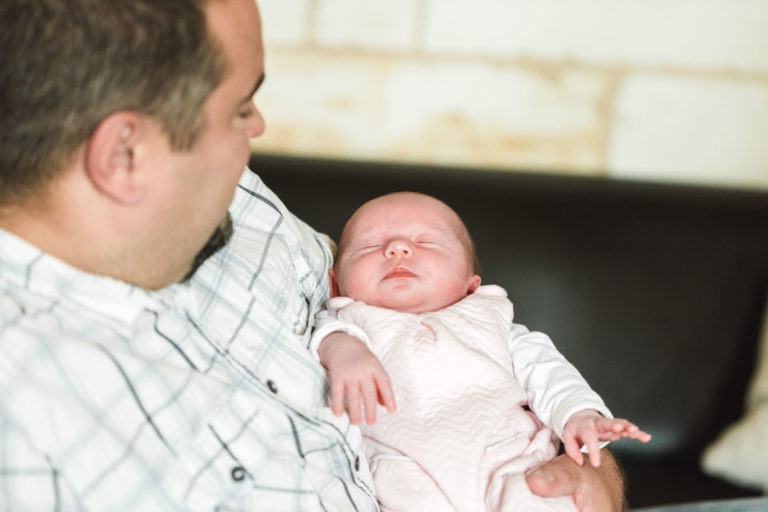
218	239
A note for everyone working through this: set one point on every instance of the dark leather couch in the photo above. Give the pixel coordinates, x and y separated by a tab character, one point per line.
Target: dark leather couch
654	291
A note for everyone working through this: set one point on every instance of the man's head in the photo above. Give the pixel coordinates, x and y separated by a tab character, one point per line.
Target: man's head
126	122
68	64
406	251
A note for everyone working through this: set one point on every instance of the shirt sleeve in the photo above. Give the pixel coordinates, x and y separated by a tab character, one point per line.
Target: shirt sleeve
256	207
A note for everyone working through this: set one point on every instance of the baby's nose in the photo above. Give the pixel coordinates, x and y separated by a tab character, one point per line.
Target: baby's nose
398	247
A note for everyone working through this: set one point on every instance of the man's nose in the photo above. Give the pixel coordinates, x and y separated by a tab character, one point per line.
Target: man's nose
398	247
256	125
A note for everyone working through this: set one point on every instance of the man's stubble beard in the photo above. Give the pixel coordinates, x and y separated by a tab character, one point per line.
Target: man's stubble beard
218	239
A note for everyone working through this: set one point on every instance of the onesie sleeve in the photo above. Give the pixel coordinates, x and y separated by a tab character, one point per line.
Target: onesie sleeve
555	388
327	322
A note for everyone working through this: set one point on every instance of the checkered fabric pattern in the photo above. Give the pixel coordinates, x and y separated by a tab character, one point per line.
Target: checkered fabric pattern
199	396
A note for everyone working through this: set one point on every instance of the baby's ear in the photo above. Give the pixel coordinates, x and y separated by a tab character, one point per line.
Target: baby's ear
334	283
474	283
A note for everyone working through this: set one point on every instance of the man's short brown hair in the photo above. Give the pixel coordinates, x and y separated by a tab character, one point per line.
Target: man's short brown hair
65	65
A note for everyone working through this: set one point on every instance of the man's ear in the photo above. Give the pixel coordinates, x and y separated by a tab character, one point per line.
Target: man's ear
110	157
334	283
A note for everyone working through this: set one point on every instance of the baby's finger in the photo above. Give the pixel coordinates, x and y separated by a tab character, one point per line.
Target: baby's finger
337	398
640	435
630	428
369	402
627	429
572	449
612	426
623	426
353	404
386	396
594	455
611	436
593	448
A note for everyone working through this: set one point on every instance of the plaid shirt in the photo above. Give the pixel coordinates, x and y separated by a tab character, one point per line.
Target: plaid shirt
199	396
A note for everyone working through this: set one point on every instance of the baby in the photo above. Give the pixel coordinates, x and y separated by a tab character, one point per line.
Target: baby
480	399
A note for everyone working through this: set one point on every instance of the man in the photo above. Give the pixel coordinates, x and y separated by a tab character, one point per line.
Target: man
142	365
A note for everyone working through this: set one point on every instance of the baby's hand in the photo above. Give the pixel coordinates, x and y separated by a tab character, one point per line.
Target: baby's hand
588	428
357	375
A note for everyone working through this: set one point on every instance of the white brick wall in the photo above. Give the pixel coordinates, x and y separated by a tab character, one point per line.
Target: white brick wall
366	24
478	113
287	23
701	34
644	89
690	129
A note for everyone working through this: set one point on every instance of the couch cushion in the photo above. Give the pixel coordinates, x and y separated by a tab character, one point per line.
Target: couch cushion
740	453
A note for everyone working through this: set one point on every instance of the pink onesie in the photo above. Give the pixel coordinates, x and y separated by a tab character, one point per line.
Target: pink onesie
461	439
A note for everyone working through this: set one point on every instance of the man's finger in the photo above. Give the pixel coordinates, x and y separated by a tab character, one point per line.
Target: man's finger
592	489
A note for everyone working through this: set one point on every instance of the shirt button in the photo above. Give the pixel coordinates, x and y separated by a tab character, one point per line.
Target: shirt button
238	473
357	463
272	386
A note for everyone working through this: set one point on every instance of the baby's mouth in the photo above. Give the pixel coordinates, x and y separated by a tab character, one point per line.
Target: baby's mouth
398	272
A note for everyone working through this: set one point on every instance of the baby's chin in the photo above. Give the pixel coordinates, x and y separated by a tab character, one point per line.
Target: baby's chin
410	304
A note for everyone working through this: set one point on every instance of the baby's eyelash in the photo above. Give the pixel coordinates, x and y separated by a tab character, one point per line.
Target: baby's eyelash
368	247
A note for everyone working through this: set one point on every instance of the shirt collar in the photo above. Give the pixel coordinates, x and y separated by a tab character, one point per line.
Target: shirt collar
28	267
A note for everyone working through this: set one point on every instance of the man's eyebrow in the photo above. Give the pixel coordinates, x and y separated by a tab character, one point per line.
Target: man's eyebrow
256	87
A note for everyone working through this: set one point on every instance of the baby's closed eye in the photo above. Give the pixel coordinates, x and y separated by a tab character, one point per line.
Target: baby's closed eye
369	246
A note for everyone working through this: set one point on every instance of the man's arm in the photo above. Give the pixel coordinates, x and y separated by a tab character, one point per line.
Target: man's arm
594	489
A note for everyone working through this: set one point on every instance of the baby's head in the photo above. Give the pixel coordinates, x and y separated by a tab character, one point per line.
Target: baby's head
405	251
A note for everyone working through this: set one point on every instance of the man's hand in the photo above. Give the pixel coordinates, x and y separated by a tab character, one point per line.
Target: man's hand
593	489
356	375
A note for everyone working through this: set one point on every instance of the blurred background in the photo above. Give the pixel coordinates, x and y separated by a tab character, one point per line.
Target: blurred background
660	90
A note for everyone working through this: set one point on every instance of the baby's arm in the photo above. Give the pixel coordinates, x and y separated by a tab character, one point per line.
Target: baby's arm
589	428
356	375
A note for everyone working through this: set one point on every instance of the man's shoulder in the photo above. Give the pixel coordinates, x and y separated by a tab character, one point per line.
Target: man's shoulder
17	301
